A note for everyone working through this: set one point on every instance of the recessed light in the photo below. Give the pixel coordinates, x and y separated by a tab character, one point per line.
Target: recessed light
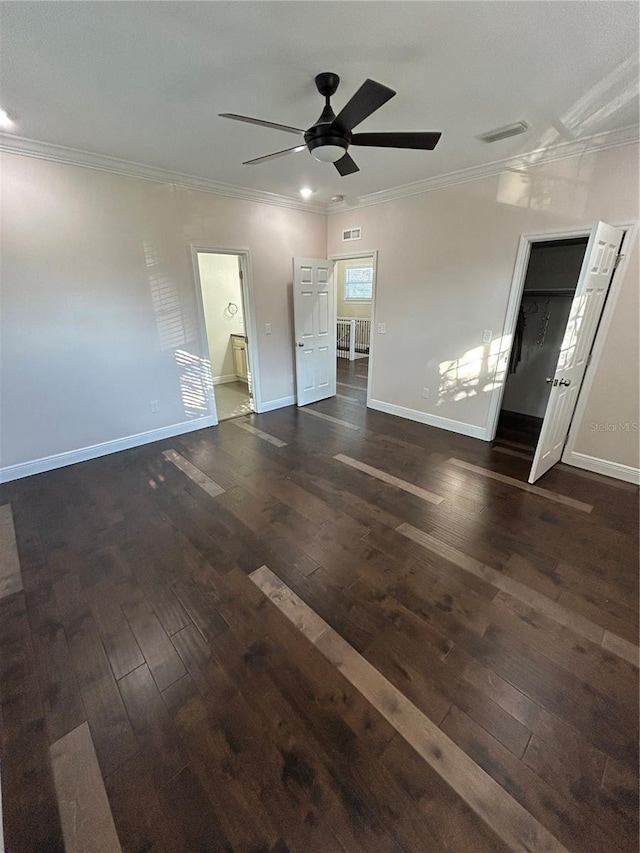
6	123
306	192
504	132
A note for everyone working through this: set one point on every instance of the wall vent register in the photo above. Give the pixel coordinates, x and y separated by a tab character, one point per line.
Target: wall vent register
352	234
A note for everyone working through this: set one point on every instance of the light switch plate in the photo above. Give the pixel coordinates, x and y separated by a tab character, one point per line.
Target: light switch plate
267	328
382	328
486	336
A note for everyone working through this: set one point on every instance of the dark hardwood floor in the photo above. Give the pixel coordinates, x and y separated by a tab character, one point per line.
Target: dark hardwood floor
219	724
519	428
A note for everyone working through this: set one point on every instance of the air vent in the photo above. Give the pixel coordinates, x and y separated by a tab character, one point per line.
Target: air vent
504	132
352	234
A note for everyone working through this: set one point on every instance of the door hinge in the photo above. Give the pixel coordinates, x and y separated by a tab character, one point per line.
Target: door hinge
618	261
241	274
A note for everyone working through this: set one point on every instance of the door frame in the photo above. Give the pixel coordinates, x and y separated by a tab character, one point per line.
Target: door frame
248	310
353	256
511	317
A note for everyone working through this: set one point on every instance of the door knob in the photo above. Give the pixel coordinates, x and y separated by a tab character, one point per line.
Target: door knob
300	345
565	382
549	379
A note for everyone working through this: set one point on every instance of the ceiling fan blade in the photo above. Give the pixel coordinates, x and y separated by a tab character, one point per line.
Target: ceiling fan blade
266	157
427	140
346	165
259	121
369	97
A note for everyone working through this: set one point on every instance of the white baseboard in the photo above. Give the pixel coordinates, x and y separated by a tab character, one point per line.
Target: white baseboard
431	420
270	405
227	377
71	457
602	466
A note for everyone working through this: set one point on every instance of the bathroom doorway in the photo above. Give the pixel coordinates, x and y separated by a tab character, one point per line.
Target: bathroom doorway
221	277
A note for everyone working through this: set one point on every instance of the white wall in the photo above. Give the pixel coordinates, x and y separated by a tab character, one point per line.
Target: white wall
220	280
449	255
99	310
98	301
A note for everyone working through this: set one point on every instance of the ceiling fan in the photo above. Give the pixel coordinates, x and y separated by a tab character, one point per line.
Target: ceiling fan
329	138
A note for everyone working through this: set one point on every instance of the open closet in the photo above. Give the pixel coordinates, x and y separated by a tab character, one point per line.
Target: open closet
550	284
557	300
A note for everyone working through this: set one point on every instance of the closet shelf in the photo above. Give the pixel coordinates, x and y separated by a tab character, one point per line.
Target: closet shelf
528	294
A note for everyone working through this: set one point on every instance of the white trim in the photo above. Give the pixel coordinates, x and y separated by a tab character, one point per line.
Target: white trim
602	466
77	157
348	256
522	162
223	380
26	147
82	454
270	405
431	420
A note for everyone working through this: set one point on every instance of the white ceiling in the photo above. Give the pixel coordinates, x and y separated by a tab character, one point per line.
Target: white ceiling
144	81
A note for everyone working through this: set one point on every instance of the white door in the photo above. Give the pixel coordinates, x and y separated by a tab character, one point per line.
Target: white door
586	310
314	308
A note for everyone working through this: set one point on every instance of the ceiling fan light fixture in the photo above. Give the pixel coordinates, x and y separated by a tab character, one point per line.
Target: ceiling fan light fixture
329	139
328	153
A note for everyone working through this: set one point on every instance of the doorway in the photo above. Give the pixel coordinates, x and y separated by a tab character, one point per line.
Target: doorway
220	276
549	286
574	327
355	287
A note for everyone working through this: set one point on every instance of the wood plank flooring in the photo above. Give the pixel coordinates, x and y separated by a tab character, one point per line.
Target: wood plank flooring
207	719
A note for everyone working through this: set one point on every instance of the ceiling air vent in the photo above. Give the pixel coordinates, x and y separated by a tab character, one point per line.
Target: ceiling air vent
504	132
352	234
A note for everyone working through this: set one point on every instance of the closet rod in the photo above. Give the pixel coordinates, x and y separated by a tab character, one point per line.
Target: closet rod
531	294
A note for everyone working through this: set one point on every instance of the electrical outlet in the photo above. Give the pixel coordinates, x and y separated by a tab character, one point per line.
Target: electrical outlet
425	393
382	328
486	336
155	406
267	328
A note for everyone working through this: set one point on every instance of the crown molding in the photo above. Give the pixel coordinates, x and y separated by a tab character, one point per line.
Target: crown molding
520	163
102	163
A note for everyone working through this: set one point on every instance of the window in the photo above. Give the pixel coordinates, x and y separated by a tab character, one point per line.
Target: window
358	284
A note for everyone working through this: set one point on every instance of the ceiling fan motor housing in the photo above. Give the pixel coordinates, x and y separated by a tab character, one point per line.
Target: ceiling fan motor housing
324	134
